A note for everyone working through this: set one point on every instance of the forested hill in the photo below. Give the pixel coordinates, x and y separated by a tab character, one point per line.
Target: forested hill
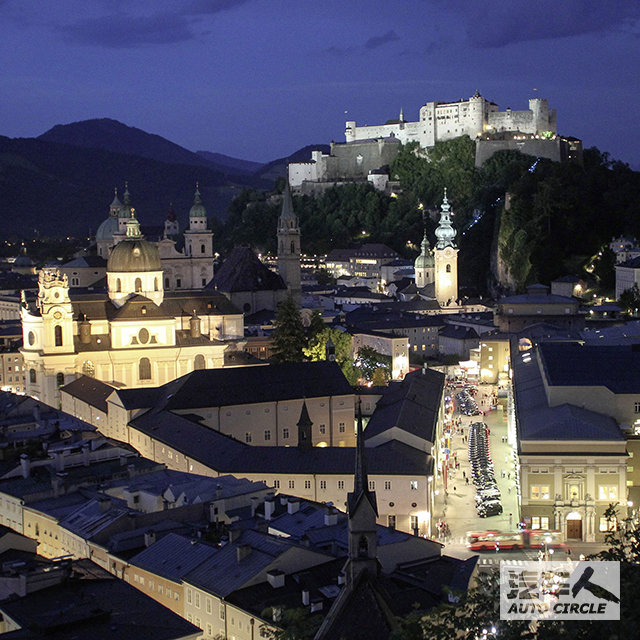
559	215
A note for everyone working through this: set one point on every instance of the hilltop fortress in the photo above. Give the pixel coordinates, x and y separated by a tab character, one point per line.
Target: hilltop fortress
368	151
446	120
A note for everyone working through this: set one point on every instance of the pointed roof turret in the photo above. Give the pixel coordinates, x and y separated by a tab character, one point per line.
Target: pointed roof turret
361	479
198	209
445	233
133	227
401	114
116	204
287	212
125	209
425	259
304	428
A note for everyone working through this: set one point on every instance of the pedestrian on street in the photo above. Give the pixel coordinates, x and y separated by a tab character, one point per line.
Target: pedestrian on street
467	480
509	490
509	475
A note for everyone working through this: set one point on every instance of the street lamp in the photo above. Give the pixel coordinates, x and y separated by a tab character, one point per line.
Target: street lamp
547	541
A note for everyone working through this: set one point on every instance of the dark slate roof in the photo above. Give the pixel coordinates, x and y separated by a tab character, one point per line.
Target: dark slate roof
138	398
222	574
90	390
339	255
278	381
98	306
412	405
459	332
538	421
415	306
95	605
381	320
633	263
94	262
243	271
173	556
226	455
573	364
537	294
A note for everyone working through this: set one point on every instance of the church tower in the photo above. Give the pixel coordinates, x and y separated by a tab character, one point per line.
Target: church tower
423	266
445	255
198	244
304	428
363	514
289	246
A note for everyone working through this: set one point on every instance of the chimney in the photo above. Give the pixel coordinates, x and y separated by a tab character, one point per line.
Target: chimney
269	508
123	460
36	413
330	517
293	506
218	491
25	465
275	578
234	533
86	454
283	500
57	485
131	470
58	456
341	578
254	504
316	605
242	551
149	537
305	597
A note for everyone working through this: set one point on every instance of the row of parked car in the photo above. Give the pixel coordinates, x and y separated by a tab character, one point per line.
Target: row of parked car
482	471
466	404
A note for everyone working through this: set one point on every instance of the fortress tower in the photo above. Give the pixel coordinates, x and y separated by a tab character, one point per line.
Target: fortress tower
445	255
289	246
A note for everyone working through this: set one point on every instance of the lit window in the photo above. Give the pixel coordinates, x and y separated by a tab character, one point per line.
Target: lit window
608	524
414	485
539	492
608	492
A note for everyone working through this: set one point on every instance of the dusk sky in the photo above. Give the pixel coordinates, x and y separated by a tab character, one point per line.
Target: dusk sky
258	79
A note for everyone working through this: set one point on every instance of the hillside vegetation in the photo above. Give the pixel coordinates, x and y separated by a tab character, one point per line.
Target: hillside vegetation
557	216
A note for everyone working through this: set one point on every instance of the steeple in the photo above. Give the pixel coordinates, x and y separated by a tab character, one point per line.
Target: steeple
289	245
116	205
126	205
445	232
304	428
363	513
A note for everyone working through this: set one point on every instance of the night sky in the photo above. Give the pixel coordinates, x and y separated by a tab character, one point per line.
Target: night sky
258	79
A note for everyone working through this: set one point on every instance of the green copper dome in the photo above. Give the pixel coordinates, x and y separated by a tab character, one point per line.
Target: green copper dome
197	210
445	233
134	253
425	259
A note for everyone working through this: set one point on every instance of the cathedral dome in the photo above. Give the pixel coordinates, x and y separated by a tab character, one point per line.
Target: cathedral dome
134	255
107	229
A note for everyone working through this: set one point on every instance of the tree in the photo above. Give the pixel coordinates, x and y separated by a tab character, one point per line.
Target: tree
369	361
317	350
288	333
630	300
316	326
295	624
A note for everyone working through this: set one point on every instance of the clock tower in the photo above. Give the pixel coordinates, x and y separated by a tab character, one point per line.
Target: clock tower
445	256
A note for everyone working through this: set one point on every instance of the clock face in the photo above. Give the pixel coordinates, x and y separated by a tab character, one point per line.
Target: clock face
57	315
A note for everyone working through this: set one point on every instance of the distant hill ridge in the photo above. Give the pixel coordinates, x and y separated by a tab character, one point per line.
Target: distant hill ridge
61	182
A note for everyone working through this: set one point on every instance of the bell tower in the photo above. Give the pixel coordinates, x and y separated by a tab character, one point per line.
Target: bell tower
289	246
445	256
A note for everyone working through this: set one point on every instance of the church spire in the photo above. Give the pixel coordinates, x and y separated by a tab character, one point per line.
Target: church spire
133	227
361	479
289	245
445	232
304	428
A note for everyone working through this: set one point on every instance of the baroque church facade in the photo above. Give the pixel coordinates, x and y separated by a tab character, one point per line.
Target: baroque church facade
184	267
136	334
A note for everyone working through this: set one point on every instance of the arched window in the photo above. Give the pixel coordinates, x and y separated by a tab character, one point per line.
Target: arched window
144	369
118	285
32	376
448	268
166	283
89	369
155	284
293	248
57	335
138	285
363	547
60	379
202	248
198	362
